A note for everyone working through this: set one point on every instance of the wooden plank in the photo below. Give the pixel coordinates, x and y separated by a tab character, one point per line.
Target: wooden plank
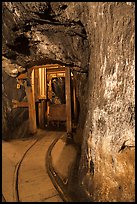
46	83
32	109
32	83
74	100
41	97
17	104
47	66
41	113
36	83
57	112
42	93
39	82
22	76
68	99
55	70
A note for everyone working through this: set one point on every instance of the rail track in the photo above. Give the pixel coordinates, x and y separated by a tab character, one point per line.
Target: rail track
16	175
54	176
27	155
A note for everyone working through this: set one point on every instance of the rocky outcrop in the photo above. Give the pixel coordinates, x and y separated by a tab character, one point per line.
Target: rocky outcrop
97	37
40	37
109	129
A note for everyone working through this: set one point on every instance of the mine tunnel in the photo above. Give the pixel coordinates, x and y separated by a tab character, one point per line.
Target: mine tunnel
51	97
68	102
51	102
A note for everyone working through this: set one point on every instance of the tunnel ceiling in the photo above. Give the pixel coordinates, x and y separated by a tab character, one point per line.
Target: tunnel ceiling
40	32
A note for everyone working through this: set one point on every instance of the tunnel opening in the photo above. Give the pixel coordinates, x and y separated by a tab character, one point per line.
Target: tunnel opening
56	113
51	95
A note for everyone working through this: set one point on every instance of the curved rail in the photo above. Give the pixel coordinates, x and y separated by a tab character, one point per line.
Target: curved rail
78	196
58	184
55	179
49	167
16	173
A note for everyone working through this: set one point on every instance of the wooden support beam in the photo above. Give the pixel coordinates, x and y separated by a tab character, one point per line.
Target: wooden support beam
74	101
42	93
41	114
23	76
32	109
46	83
46	96
55	70
47	66
36	83
17	104
68	99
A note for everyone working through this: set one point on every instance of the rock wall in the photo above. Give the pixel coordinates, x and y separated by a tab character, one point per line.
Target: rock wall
98	37
107	161
12	118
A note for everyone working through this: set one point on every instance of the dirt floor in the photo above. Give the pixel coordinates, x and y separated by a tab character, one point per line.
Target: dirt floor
34	182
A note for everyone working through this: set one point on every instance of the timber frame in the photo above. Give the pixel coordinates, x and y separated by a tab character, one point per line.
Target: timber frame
25	79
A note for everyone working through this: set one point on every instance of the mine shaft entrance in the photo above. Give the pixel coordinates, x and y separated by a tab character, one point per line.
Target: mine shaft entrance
51	94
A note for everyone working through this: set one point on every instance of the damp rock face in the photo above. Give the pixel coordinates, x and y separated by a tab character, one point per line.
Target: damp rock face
97	37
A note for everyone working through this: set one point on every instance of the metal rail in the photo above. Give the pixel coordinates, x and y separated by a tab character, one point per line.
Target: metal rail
55	179
16	174
78	196
54	176
17	169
